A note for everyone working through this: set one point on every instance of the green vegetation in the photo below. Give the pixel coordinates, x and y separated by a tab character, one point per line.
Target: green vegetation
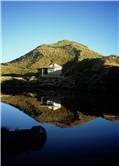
82	68
60	53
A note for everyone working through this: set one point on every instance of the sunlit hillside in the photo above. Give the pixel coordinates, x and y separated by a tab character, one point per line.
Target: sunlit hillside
60	53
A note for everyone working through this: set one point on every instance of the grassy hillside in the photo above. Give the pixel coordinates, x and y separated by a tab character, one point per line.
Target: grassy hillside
83	68
61	52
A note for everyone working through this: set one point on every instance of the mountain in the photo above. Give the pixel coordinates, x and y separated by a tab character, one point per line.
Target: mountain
60	53
83	68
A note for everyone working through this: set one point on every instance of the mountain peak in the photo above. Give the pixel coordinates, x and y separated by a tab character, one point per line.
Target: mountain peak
68	42
65	41
60	52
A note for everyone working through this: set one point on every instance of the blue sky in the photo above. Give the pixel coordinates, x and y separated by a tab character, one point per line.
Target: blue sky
26	25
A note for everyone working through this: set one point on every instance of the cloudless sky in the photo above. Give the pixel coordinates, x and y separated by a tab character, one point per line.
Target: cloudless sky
26	25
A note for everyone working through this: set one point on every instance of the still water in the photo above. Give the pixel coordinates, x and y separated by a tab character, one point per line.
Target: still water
61	136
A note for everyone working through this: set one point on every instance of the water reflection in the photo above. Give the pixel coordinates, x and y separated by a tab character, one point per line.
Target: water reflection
22	140
64	109
13	118
68	142
50	103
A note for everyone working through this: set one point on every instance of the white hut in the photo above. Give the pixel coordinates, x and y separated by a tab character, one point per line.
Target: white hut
52	70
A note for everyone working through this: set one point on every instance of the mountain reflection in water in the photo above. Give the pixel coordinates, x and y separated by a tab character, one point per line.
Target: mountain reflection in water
81	128
64	109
